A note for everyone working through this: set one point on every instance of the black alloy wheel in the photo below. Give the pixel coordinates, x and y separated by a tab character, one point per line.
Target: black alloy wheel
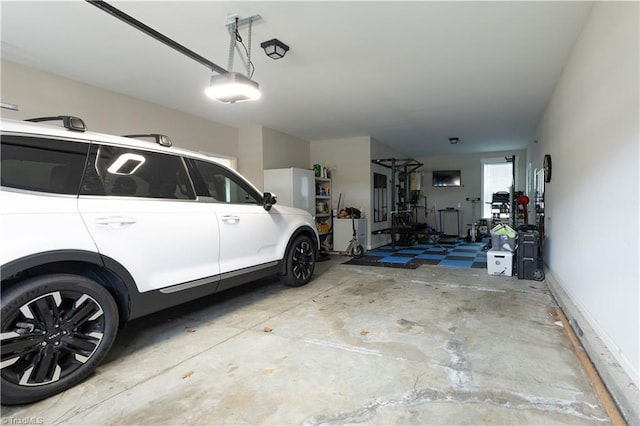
55	330
301	261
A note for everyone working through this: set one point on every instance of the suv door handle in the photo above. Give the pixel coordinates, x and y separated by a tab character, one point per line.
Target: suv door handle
116	221
231	219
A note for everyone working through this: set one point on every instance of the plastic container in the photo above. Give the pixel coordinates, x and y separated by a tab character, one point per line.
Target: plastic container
503	237
500	262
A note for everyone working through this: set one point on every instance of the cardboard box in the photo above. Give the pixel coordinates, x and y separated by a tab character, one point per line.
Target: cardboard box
499	262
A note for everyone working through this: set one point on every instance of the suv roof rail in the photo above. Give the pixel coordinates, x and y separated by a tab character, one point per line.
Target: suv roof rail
68	121
159	139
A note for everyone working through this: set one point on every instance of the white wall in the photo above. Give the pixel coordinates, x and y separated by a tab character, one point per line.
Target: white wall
281	150
470	166
262	148
39	94
350	166
250	154
590	129
349	161
380	151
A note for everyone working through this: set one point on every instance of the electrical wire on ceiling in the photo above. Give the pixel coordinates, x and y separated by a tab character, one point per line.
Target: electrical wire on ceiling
238	38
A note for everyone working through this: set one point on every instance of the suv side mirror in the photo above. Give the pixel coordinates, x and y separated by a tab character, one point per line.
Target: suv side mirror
268	200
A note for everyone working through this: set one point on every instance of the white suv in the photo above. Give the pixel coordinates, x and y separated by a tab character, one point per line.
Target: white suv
98	230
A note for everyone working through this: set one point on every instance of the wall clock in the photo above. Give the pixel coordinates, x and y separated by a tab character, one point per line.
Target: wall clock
546	165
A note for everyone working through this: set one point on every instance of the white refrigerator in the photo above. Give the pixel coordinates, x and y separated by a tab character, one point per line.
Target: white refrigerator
293	187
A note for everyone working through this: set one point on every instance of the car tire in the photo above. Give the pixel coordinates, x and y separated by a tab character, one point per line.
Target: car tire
55	330
300	261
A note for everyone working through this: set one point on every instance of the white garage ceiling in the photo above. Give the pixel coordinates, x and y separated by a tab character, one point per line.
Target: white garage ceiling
410	74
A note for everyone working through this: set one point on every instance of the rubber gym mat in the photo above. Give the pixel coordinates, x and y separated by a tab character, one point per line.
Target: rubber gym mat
460	254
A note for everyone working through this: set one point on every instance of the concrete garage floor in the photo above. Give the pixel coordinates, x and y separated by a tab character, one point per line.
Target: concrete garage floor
357	345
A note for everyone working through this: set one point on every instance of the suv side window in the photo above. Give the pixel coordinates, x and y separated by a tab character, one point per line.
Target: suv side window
129	172
44	165
223	185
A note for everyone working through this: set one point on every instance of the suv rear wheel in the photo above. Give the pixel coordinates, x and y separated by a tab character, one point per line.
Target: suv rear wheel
301	261
55	330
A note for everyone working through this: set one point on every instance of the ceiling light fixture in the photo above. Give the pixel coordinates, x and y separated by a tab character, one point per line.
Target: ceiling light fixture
232	87
274	48
453	141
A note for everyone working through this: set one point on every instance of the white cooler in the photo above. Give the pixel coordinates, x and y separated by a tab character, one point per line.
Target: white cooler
499	262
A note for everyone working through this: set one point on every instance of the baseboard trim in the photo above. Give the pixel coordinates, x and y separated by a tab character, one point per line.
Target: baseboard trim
621	387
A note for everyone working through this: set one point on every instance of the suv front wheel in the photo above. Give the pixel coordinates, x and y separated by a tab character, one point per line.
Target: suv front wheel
300	262
55	330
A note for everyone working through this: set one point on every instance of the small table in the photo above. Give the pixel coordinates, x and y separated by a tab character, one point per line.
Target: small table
457	212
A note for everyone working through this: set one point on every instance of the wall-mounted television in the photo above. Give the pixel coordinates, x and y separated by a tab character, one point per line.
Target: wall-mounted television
446	178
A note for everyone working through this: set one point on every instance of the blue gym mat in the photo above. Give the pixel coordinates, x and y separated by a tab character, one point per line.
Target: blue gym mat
453	254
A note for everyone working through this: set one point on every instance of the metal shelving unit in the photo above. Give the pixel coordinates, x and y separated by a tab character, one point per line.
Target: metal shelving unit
323	206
